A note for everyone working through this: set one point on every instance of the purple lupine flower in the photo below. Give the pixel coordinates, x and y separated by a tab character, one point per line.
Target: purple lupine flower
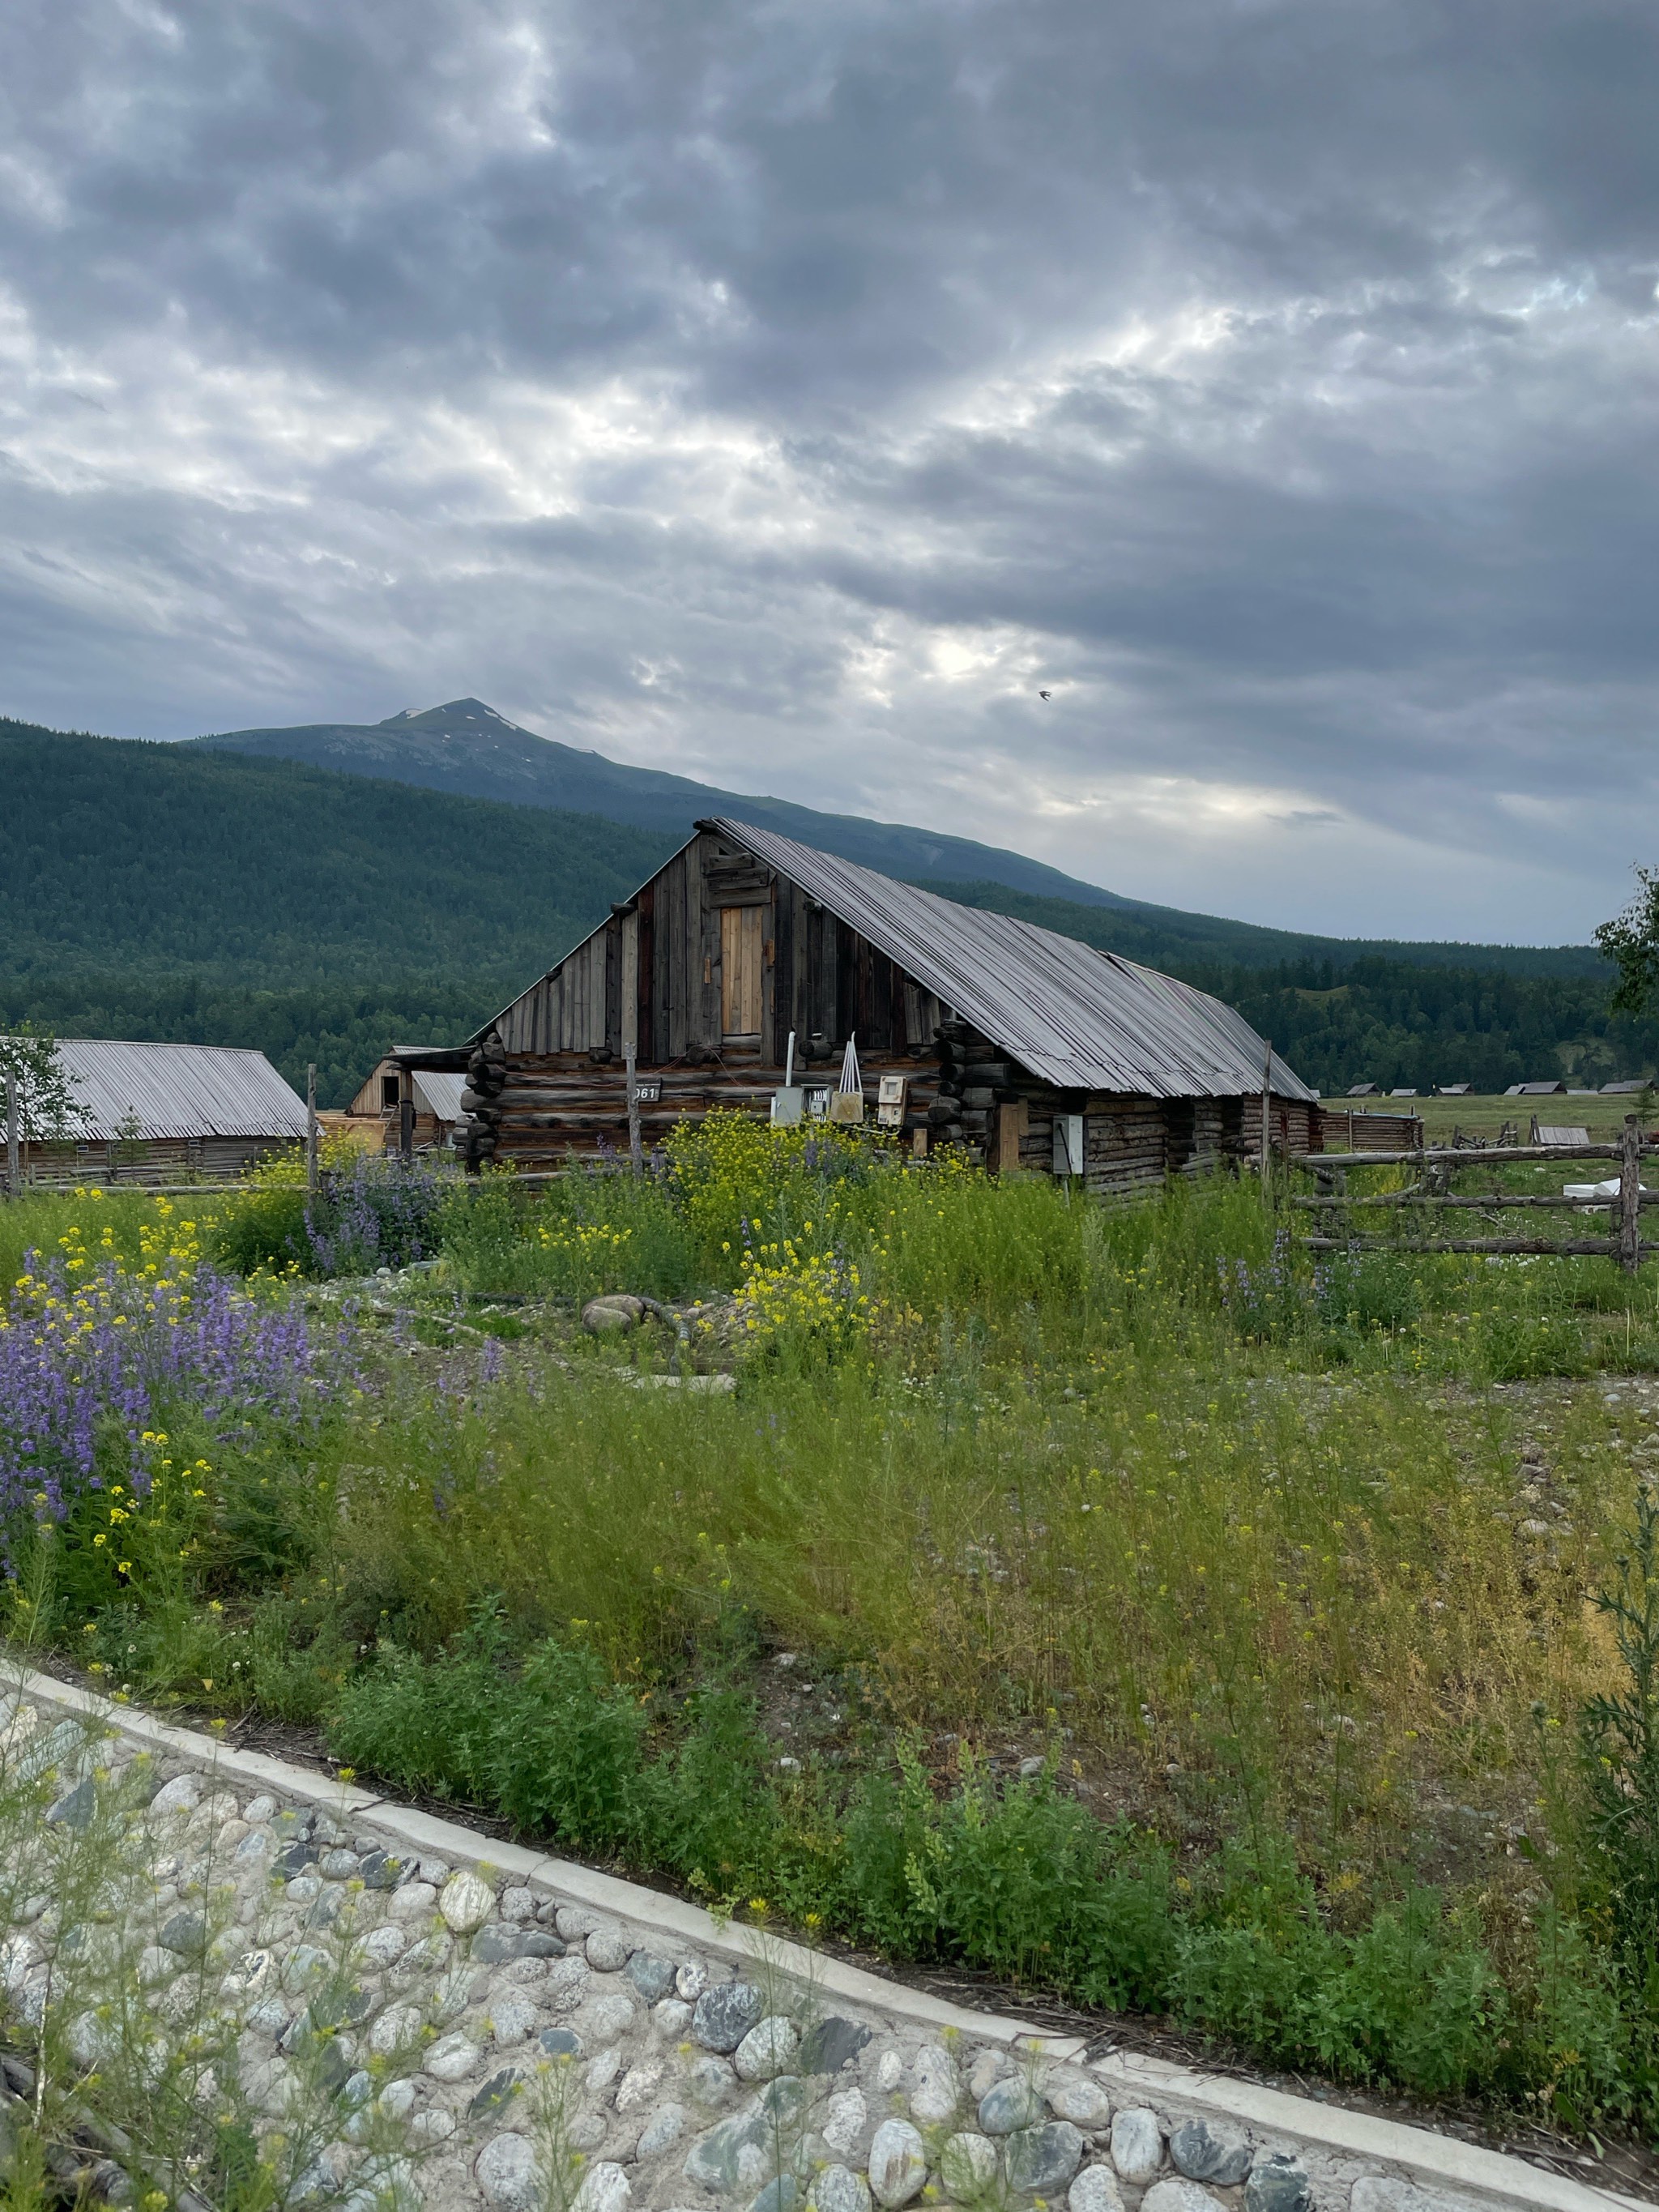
87	1367
377	1211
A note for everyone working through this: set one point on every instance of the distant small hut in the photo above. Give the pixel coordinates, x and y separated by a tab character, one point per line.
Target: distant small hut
427	1080
1024	1048
144	1113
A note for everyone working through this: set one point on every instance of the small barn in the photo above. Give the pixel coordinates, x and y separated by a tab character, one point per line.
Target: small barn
146	1112
427	1079
970	1029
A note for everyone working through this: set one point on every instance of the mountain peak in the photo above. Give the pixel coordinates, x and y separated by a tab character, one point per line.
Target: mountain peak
455	718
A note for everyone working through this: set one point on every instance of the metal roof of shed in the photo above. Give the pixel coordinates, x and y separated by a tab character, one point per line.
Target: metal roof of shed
439	1092
1079	1018
177	1090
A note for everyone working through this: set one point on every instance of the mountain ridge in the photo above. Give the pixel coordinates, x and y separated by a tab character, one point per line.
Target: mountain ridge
468	748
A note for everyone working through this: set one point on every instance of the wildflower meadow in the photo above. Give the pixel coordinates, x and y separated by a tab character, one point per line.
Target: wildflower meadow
1116	1601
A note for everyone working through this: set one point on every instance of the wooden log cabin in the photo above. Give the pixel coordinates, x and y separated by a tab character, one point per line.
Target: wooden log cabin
1030	1048
149	1113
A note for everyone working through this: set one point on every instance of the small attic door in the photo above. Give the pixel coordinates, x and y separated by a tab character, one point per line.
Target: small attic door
742	945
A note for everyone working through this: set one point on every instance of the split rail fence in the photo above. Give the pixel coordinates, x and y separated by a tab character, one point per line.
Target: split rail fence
1435	1165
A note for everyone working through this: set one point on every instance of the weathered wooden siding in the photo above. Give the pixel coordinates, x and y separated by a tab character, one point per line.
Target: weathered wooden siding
568	1011
150	1159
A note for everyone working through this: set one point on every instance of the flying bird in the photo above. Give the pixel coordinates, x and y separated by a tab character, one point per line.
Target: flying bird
1045	695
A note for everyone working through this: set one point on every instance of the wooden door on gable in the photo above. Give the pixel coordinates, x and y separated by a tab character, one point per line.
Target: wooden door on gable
743	951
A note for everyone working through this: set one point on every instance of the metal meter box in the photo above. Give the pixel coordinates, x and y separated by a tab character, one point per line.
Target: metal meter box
1068	1144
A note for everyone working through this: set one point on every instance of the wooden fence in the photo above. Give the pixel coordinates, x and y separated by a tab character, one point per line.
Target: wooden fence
1436	1166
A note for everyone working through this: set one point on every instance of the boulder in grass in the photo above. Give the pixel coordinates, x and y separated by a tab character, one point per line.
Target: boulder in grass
613	1316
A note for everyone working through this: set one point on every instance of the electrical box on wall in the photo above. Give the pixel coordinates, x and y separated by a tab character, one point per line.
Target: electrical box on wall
1068	1144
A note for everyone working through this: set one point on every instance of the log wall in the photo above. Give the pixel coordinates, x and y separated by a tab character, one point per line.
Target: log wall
152	1159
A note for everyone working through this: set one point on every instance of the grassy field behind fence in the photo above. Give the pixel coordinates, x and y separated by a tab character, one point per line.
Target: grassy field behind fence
1484	1117
1286	1573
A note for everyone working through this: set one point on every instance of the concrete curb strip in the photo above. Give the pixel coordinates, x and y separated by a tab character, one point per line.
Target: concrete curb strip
1416	2154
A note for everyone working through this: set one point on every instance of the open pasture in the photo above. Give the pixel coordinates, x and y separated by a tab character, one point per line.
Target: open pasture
1485	1116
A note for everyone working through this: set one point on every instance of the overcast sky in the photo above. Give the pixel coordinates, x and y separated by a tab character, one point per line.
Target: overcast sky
785	391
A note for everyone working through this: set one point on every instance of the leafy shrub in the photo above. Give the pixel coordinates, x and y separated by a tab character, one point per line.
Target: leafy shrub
553	1745
263	1231
1413	1999
1024	1882
1017	1880
588	1234
1370	1290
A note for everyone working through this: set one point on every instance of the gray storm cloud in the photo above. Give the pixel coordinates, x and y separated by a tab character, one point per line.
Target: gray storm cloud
786	392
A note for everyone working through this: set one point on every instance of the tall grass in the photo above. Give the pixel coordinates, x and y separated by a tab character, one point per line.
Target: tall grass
1267	1556
1311	1604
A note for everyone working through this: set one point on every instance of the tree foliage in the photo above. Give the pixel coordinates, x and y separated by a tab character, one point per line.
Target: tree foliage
47	1109
1631	941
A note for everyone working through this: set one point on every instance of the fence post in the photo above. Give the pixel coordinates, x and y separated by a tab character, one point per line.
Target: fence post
1267	1110
406	1130
311	1129
635	1148
1630	1196
13	1173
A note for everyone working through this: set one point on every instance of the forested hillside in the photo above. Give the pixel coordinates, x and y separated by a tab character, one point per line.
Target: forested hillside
1384	1021
168	891
152	891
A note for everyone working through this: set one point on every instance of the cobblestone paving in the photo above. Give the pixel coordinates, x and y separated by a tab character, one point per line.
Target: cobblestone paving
537	2053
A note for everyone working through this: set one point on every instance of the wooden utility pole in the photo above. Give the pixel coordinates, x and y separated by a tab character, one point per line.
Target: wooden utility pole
311	1128
1267	1110
1630	1196
406	1129
14	1173
635	1148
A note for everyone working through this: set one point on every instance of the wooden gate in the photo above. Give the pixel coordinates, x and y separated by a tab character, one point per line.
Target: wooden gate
1431	1194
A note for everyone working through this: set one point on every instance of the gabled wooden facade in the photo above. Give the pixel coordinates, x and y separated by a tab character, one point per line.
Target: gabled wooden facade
742	937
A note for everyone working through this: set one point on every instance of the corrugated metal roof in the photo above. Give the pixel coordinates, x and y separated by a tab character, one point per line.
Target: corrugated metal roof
177	1091
1082	1020
439	1092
